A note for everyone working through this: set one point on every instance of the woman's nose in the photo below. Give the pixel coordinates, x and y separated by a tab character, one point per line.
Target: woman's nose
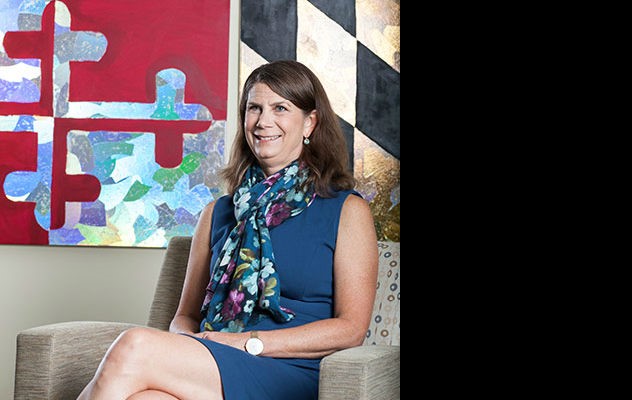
265	119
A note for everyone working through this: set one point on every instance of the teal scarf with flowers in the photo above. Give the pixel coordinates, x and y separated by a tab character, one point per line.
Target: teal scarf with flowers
244	286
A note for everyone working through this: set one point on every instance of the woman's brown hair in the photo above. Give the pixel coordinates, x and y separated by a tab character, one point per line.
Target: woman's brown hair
325	155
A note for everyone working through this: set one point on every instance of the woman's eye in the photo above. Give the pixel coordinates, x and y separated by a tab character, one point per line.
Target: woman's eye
253	108
280	108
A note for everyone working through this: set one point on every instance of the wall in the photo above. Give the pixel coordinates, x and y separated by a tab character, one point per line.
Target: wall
43	284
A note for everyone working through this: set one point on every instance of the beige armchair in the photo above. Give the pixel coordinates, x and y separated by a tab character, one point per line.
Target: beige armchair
55	361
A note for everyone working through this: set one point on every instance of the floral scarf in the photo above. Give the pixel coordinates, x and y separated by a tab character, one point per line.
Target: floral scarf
244	286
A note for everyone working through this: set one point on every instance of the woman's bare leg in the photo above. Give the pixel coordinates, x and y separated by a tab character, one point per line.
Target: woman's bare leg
142	359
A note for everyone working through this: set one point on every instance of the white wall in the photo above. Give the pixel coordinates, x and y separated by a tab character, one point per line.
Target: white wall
46	284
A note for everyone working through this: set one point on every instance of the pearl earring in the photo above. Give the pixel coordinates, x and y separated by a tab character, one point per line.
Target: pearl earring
306	141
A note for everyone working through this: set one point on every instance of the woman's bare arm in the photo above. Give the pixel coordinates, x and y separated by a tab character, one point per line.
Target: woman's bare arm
188	317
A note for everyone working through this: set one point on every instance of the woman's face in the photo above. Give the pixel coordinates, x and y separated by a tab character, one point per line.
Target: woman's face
275	128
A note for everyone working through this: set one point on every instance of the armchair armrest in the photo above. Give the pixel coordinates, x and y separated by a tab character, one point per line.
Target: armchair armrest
56	361
368	372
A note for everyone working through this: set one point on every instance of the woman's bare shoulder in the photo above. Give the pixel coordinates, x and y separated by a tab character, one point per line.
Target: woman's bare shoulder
356	217
356	205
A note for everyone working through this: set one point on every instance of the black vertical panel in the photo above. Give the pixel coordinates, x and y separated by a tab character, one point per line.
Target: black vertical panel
341	11
269	27
348	131
377	101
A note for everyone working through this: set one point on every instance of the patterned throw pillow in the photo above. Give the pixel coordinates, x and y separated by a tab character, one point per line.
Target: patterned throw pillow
384	327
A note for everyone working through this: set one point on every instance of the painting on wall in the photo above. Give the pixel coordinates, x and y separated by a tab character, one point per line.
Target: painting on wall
112	119
354	48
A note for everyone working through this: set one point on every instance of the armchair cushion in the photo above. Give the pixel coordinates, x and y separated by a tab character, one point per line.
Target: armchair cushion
384	328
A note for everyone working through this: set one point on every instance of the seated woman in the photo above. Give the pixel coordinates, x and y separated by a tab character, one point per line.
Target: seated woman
282	269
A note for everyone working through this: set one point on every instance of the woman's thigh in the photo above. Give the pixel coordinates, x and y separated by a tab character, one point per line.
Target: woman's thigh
167	362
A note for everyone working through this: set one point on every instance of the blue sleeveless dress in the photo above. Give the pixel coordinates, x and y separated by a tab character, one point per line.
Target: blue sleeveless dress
303	249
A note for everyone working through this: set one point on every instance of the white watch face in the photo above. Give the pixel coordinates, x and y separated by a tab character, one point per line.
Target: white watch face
254	346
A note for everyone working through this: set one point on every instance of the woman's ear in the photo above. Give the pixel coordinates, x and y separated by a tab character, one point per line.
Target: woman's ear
310	123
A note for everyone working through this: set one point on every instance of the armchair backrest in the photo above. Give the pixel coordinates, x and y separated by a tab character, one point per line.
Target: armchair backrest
170	281
384	328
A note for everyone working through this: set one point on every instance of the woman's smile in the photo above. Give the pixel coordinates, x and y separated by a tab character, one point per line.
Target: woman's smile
266	138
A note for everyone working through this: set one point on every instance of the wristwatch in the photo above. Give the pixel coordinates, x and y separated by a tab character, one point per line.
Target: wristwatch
254	345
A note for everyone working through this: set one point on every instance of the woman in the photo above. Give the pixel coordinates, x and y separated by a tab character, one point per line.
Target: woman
282	271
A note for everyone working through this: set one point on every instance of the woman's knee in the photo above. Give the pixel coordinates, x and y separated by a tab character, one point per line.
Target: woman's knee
130	350
151	395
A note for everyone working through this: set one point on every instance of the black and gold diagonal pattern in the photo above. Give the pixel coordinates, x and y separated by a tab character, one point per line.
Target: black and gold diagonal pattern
353	46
